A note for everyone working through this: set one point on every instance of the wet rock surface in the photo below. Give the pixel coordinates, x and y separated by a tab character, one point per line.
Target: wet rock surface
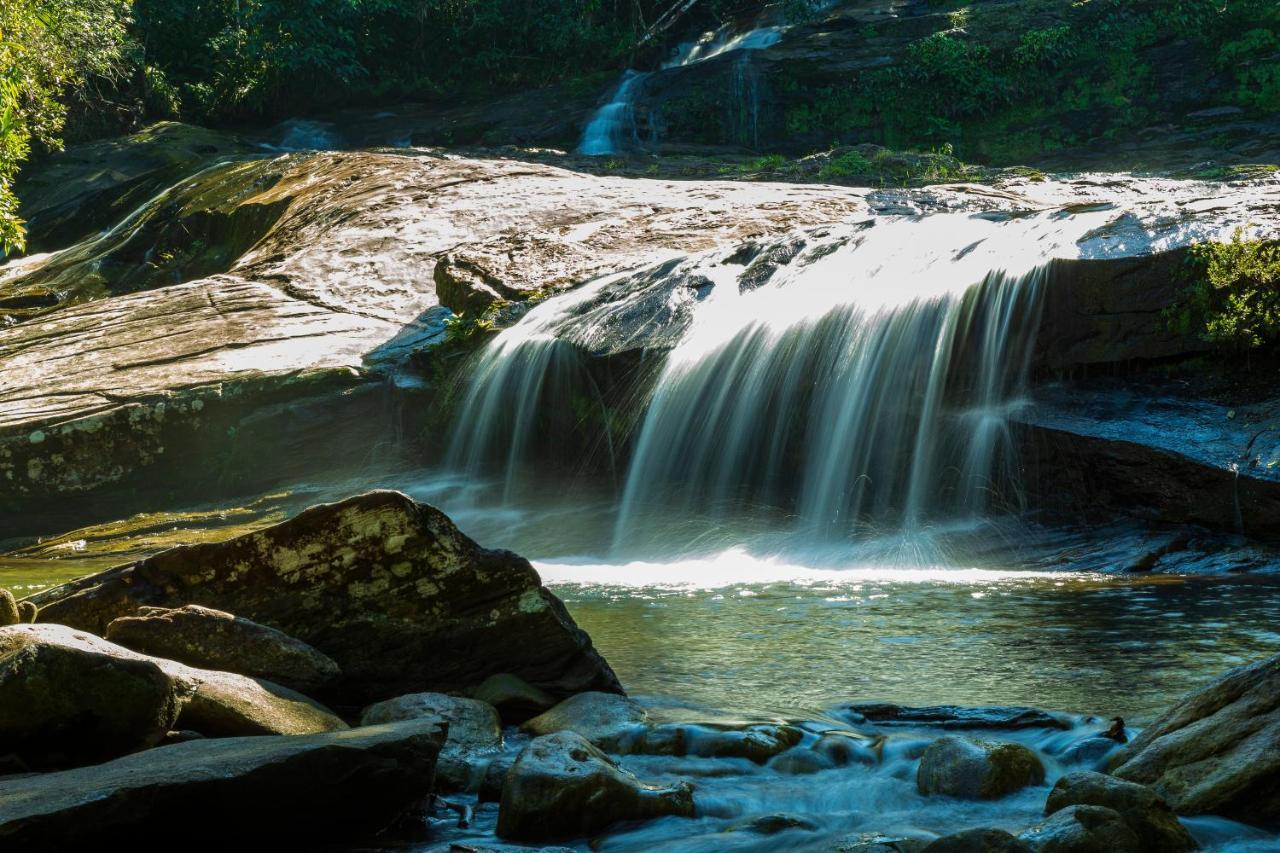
475	734
321	788
1215	751
978	841
602	718
212	639
563	787
388	588
953	717
1084	829
973	769
1143	811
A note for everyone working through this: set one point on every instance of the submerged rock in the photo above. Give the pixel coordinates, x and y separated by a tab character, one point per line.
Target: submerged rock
973	769
67	698
1084	829
212	639
563	787
602	718
388	588
475	732
978	841
1142	809
515	699
955	717
1216	751
288	790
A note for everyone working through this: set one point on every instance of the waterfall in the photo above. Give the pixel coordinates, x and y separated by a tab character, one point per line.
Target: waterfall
612	128
864	384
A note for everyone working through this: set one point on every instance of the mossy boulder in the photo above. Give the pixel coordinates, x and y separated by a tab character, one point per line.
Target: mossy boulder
977	769
562	787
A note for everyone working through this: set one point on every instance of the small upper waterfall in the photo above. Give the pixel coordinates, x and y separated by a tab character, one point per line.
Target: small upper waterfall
863	383
613	127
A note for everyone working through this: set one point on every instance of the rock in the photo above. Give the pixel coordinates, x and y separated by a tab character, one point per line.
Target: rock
212	639
1218	750
516	699
475	732
874	843
955	717
318	789
772	824
9	612
757	743
602	718
182	736
495	778
978	841
1142	809
27	612
972	769
563	787
1084	829
844	748
1091	750
67	698
216	704
388	588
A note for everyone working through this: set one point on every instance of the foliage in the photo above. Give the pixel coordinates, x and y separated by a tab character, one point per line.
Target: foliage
47	48
1234	298
463	328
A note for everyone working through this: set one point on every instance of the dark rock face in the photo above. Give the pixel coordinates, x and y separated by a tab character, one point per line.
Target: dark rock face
1149	816
388	588
211	639
320	788
978	841
1218	750
973	769
67	698
1084	829
475	734
515	699
955	717
563	787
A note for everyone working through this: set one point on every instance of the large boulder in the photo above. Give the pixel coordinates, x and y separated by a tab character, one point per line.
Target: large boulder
475	734
563	787
69	699
1218	750
287	790
212	639
215	704
1143	810
976	769
390	589
602	718
1084	829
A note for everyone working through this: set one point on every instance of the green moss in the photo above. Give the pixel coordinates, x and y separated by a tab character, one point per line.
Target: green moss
1234	295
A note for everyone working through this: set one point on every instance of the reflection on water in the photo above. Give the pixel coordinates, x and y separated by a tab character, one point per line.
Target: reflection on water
1087	644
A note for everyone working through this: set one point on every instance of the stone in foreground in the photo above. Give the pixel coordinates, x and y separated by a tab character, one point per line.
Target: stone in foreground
1149	816
289	790
475	734
974	769
212	639
388	588
69	699
978	841
1084	829
563	787
1218	750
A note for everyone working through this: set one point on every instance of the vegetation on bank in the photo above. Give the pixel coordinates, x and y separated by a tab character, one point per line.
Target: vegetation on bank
1234	296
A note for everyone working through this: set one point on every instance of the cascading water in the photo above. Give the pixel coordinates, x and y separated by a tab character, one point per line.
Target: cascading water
864	384
613	127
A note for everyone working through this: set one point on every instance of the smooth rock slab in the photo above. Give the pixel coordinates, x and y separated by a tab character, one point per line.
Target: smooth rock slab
1218	750
475	733
388	588
212	639
974	769
563	787
289	790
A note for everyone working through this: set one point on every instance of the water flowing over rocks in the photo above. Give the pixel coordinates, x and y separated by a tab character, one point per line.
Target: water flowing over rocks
389	589
1215	752
327	788
211	639
563	787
